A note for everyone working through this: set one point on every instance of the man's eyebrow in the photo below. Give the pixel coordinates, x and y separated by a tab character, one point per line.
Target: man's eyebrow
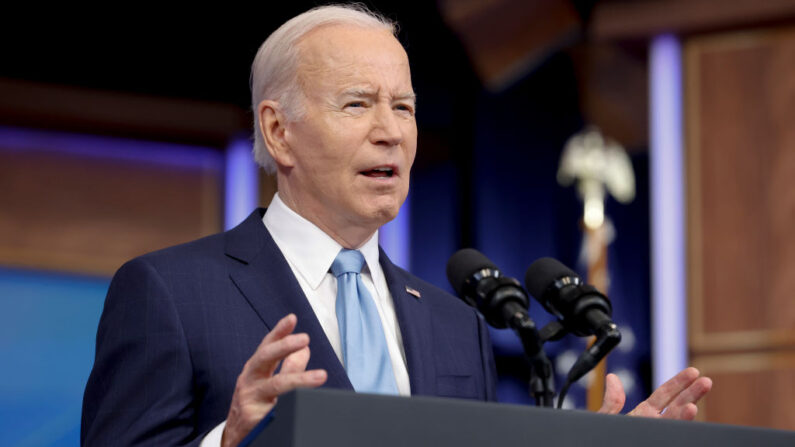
411	96
369	93
358	92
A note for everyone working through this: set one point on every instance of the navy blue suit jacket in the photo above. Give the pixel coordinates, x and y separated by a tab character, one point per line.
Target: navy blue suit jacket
179	324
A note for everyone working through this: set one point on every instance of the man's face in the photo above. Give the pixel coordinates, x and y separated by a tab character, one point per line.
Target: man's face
355	144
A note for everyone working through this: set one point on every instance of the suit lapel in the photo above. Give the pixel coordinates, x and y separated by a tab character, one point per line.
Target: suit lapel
263	276
414	319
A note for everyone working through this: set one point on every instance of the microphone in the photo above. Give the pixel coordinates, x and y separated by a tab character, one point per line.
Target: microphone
581	309
480	284
503	302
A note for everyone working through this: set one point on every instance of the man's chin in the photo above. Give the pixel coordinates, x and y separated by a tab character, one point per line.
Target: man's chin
383	216
383	209
374	218
389	211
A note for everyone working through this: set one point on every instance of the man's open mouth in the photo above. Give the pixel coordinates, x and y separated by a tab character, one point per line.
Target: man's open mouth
379	172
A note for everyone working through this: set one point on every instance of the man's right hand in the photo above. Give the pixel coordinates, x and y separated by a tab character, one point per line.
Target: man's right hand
258	387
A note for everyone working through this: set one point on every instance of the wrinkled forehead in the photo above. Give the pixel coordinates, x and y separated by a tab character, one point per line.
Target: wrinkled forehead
350	54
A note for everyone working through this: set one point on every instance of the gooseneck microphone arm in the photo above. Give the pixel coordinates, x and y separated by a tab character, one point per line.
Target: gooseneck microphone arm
542	384
503	303
581	309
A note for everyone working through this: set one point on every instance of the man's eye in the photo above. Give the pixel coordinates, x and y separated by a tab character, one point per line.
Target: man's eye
405	108
355	104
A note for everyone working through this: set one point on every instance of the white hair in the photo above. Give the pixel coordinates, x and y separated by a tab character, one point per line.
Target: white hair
273	73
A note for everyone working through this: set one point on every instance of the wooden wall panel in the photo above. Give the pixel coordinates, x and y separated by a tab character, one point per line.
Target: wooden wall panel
740	104
626	20
83	214
751	389
741	153
92	111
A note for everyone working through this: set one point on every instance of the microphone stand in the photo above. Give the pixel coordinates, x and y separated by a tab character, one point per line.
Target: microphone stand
607	337
542	379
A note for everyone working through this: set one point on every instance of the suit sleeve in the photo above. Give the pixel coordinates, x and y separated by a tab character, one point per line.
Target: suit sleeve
140	388
487	356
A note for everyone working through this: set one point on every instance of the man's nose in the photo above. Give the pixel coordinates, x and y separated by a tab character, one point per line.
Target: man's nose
386	128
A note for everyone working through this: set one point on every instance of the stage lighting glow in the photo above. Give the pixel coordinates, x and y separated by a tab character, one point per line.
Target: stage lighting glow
241	192
395	237
669	317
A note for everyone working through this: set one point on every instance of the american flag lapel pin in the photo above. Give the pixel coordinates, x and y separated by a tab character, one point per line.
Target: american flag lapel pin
413	292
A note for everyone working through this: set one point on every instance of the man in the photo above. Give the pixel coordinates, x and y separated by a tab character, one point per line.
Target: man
196	342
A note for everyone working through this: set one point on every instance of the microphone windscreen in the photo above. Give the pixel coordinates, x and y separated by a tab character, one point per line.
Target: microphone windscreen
544	272
463	264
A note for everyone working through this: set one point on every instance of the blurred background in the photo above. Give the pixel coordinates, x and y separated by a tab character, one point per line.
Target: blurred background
123	131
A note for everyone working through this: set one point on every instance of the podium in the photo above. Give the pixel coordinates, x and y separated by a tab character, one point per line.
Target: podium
330	418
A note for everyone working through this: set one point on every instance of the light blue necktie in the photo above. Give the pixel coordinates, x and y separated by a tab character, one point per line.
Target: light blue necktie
364	351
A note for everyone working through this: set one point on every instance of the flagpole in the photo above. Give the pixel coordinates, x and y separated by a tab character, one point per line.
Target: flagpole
596	249
598	166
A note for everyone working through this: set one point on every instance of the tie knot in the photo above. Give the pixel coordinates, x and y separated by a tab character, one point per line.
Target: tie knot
347	261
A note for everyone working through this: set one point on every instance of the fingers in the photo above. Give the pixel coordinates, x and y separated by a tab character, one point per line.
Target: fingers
285	382
296	362
258	387
677	397
275	346
668	391
685	413
614	395
267	357
293	375
684	406
282	328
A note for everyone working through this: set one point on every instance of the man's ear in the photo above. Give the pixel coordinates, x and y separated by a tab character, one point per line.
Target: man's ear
273	125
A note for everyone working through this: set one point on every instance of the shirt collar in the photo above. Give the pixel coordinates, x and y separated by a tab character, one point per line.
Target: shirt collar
308	248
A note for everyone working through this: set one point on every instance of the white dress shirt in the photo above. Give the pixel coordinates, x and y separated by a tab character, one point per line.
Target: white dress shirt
310	252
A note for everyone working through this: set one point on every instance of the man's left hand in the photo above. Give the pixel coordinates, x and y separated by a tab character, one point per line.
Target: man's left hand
675	399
